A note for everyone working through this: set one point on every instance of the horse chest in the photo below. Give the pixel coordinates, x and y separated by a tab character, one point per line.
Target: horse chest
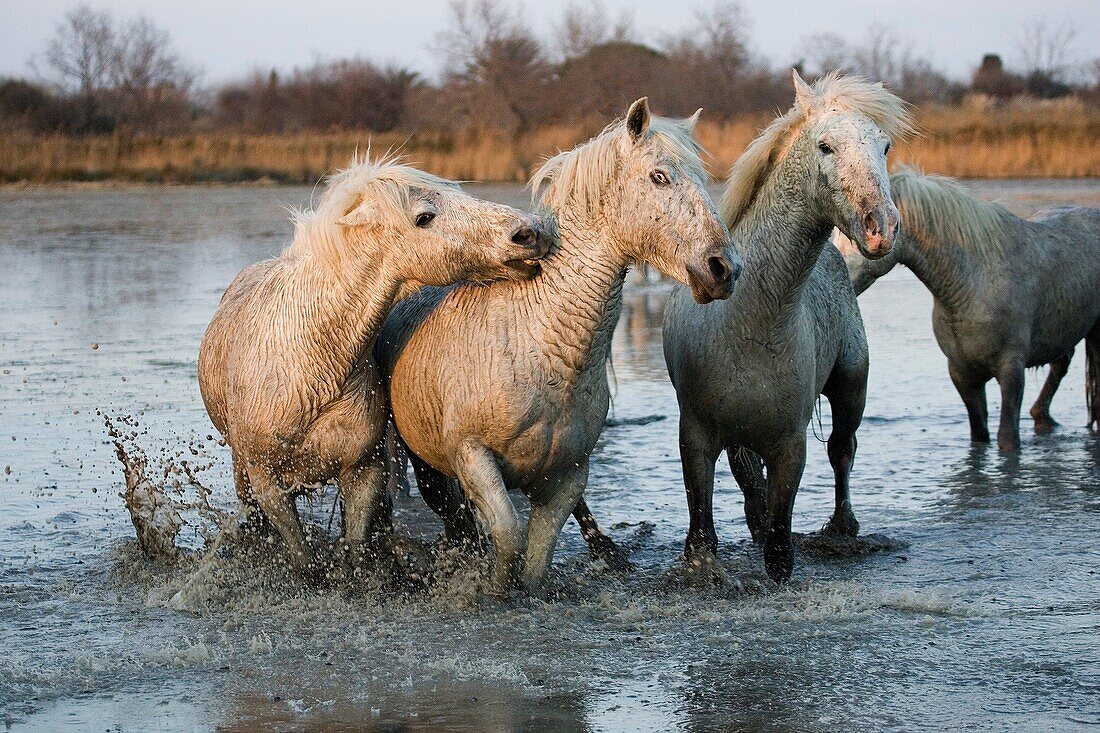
974	338
349	426
759	392
557	432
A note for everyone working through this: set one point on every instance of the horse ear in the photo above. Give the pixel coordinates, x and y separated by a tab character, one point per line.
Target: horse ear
690	122
363	213
803	95
637	119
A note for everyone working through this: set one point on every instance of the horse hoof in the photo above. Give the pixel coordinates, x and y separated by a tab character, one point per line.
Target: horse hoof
841	525
1045	425
700	548
255	524
779	559
466	539
616	558
313	573
703	569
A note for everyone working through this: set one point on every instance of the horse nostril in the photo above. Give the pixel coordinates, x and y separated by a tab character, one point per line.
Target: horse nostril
719	269
870	225
525	236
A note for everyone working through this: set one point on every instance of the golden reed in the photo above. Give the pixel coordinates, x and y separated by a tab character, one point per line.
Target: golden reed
971	141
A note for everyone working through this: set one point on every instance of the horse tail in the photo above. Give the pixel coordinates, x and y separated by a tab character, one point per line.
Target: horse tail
1092	379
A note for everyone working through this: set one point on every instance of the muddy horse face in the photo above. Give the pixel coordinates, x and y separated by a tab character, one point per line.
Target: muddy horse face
661	210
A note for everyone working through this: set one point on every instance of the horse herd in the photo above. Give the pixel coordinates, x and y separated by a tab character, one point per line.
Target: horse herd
484	332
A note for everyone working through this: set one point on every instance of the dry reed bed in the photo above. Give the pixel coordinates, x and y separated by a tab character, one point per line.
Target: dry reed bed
971	142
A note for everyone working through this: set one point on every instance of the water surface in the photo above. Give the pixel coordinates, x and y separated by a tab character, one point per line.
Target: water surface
989	619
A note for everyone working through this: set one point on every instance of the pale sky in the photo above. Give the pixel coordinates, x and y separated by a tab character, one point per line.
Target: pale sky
227	39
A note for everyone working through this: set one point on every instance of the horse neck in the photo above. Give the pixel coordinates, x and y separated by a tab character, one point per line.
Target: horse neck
782	236
947	269
342	305
578	296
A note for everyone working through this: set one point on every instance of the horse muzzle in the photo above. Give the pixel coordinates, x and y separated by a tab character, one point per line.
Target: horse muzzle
713	277
533	245
880	229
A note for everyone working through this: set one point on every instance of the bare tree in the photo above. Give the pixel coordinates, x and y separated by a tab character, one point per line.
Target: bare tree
496	61
121	74
825	52
79	57
1047	48
583	27
713	55
882	56
151	80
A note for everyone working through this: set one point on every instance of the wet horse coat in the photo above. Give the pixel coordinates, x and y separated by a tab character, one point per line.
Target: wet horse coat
505	387
285	367
748	371
1010	293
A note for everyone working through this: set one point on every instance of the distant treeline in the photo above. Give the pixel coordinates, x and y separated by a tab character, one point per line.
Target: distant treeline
99	75
1021	139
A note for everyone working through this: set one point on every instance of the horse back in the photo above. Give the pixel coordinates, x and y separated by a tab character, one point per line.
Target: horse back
1068	299
218	350
402	322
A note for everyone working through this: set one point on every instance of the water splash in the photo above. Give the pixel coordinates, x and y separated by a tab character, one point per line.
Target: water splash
156	493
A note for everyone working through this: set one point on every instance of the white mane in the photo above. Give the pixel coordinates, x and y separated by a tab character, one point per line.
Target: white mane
830	93
936	209
582	174
384	179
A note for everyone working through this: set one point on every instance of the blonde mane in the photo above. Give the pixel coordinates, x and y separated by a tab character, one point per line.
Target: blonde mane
582	174
936	209
830	93
385	179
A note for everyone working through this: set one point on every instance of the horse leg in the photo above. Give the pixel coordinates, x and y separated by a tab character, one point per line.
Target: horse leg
397	463
1040	411
785	466
278	505
1092	376
748	470
544	526
255	521
479	474
444	496
600	546
698	454
1011	381
842	453
363	490
847	394
972	391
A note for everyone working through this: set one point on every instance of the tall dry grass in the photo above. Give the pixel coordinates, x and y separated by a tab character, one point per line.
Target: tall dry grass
975	141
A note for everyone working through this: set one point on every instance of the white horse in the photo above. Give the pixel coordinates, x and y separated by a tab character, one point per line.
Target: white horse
285	367
505	387
1009	293
749	370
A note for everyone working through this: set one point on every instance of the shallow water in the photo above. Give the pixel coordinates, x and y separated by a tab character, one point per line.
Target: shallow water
988	619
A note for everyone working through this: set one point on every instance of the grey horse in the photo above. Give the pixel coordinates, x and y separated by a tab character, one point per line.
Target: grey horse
505	387
748	371
1009	293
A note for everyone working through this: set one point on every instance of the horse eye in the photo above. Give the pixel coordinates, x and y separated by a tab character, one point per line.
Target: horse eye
888	148
424	219
824	147
660	178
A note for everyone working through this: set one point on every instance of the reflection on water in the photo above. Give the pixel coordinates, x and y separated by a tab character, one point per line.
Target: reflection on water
988	619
